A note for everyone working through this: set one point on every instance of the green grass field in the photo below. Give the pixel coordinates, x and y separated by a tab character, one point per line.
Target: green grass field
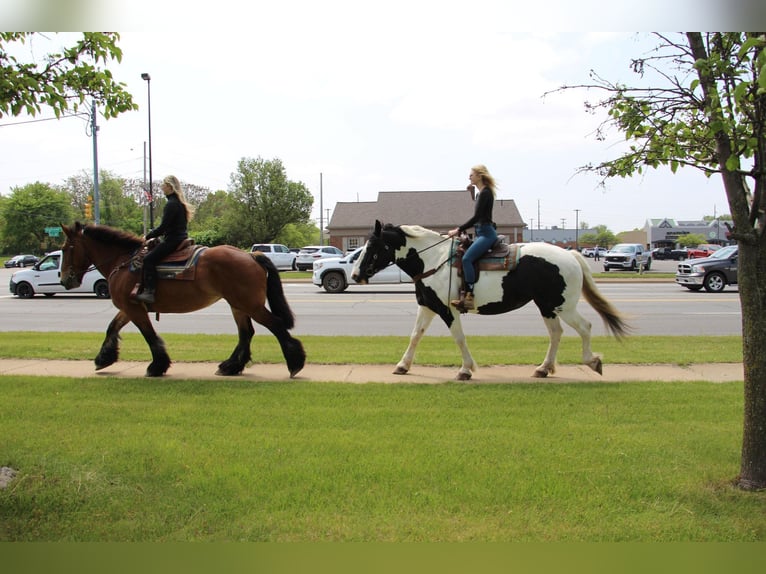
153	460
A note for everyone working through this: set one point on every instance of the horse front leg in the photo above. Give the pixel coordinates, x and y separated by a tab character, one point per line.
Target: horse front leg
110	348
241	355
160	358
422	322
548	366
469	365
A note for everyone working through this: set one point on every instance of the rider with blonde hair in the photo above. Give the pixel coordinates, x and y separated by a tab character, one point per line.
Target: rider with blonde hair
485	233
172	229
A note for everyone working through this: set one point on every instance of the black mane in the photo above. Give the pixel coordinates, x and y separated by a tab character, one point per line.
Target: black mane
112	236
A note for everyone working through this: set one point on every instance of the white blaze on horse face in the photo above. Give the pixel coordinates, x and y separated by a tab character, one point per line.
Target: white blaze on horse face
356	271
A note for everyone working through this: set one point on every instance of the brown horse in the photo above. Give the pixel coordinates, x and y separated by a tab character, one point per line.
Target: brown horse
246	281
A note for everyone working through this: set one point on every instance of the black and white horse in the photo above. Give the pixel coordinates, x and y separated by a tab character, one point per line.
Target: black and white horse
550	276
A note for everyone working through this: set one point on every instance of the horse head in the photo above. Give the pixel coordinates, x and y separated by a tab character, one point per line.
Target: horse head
74	261
378	253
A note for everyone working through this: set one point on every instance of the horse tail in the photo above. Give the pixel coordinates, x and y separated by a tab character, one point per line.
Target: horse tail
274	292
613	319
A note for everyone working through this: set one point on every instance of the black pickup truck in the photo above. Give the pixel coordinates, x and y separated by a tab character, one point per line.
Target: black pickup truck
713	273
660	253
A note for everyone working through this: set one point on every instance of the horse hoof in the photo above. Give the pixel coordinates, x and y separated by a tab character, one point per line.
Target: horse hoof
597	366
539	374
400	371
295	372
464	376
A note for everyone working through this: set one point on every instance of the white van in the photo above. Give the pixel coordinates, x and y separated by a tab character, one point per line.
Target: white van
45	277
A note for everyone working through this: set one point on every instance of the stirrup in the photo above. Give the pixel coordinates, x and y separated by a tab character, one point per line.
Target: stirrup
465	303
146	296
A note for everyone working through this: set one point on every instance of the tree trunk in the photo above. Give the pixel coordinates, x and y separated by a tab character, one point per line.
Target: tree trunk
752	295
751	274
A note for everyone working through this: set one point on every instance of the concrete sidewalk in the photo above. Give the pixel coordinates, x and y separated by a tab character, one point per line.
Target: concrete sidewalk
714	372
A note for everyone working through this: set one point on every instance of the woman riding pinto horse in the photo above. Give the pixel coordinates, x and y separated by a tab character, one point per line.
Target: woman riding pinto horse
552	277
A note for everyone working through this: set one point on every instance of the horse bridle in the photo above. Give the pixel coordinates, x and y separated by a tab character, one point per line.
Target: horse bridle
72	274
430	272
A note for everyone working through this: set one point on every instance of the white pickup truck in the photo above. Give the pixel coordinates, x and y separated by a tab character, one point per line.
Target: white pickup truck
45	277
334	273
628	257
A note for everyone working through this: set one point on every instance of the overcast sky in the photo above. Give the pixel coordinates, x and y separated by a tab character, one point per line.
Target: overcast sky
373	99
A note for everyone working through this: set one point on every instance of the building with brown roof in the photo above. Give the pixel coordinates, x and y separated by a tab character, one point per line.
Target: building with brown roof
352	222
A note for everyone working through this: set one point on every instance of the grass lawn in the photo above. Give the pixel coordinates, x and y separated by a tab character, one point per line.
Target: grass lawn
154	460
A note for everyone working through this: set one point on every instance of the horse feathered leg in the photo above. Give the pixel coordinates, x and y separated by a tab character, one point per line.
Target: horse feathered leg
241	355
110	348
160	358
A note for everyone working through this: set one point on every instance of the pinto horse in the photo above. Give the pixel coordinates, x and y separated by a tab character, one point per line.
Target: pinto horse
246	281
550	276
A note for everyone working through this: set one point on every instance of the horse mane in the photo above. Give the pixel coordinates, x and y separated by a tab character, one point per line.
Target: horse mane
112	236
418	231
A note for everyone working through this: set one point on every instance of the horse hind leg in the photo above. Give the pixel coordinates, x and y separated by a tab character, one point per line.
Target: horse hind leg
292	348
548	366
241	355
583	328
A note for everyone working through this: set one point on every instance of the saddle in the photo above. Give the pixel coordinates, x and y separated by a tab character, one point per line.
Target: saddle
181	264
501	257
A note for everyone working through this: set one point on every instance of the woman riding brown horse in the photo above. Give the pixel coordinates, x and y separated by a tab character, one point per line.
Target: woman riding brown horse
246	281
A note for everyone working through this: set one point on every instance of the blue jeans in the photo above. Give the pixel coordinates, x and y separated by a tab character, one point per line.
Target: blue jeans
483	241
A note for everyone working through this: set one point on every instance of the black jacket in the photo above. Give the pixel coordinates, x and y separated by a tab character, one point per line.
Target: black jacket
483	211
174	221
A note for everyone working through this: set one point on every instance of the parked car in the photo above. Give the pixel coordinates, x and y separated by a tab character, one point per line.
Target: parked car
627	256
45	277
279	254
334	274
21	261
663	253
713	273
307	255
702	250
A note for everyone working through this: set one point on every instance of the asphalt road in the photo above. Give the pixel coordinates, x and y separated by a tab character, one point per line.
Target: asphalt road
653	308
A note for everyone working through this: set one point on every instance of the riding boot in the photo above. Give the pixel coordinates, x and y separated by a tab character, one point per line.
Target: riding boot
465	303
147	293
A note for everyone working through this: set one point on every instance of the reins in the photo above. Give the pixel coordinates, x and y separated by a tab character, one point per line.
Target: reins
426	274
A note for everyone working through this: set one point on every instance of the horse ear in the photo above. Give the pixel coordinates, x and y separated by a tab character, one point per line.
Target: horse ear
378	227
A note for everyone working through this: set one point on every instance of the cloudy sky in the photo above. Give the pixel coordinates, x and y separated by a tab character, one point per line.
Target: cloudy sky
374	99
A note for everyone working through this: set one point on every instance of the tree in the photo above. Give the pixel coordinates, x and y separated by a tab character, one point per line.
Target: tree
602	238
28	211
691	240
298	234
704	107
266	202
207	226
64	80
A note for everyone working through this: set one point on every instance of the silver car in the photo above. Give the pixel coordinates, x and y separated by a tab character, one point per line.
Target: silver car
311	253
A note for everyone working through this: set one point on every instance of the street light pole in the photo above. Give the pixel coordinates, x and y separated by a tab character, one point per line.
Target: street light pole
577	229
148	79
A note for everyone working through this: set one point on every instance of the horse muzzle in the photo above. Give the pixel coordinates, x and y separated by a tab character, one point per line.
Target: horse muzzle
71	281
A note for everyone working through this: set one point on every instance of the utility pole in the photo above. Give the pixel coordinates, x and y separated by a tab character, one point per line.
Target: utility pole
577	229
94	129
